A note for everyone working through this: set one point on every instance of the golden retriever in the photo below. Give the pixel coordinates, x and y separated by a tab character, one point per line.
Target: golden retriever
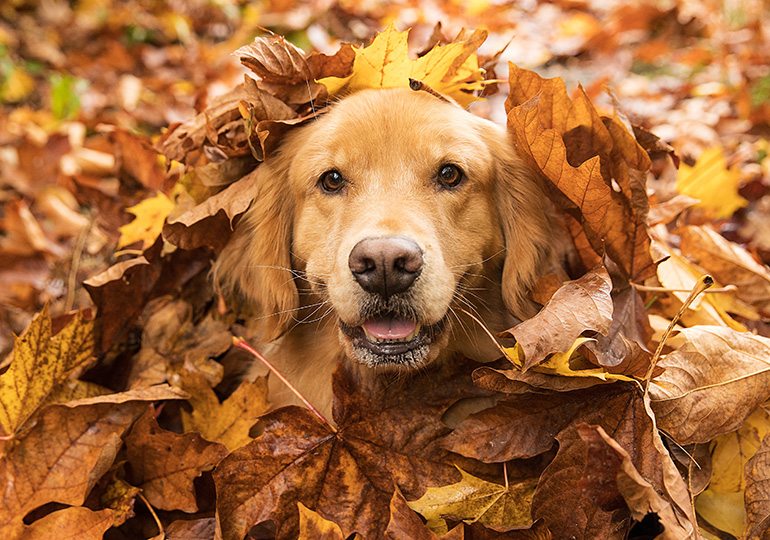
373	227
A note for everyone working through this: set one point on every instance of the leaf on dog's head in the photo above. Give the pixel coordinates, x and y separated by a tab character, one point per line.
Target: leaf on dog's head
450	69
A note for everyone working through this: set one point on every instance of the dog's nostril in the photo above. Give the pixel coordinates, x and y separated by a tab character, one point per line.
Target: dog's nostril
387	265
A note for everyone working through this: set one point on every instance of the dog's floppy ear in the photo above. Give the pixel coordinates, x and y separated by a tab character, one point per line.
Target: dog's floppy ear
256	263
528	223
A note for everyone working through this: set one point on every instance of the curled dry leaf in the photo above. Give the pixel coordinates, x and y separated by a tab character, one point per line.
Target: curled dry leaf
348	475
40	363
211	223
729	263
639	495
73	523
164	464
711	383
582	154
578	306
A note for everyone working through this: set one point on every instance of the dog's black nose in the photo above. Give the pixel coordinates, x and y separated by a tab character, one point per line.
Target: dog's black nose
387	265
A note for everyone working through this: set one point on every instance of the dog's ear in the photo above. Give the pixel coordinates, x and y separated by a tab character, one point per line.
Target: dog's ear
256	263
527	220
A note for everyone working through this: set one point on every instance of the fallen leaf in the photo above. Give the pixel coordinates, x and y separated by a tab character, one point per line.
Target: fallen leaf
473	499
581	154
61	457
346	476
193	529
75	523
313	527
758	492
405	523
164	464
729	263
712	183
450	69
578	306
150	215
711	384
228	422
41	362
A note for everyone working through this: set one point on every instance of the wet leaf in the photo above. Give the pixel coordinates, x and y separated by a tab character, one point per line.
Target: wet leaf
40	363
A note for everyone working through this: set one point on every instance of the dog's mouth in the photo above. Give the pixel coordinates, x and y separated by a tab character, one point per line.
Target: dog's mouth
390	340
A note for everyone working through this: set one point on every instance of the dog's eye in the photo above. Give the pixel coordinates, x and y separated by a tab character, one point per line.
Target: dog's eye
332	181
450	175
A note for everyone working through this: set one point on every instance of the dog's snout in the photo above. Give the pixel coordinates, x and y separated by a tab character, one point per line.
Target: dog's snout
387	265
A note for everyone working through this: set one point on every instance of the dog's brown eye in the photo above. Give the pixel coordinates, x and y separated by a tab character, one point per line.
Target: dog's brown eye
332	181
450	175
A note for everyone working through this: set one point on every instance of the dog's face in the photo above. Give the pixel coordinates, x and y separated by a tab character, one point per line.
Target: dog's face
395	210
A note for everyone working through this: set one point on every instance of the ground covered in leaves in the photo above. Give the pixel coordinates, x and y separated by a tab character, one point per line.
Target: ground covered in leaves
634	405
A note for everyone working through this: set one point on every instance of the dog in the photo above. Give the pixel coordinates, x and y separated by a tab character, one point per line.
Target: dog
376	229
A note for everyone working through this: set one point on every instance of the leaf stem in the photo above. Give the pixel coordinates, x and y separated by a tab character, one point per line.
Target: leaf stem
703	283
240	342
161	531
727	289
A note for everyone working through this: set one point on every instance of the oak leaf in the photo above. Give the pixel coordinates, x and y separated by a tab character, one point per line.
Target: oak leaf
40	363
348	475
711	384
581	154
228	422
713	183
578	306
473	499
450	69
164	464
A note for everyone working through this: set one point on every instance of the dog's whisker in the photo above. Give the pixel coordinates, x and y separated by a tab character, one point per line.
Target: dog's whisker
478	262
275	314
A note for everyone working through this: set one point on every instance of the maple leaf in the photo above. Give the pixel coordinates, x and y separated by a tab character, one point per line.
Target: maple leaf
313	527
473	499
40	363
150	215
405	523
228	422
451	69
712	183
711	383
164	464
348	475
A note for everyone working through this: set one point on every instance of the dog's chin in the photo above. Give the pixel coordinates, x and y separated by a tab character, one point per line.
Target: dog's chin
387	342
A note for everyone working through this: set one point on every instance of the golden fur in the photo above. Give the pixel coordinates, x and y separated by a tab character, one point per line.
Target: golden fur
483	242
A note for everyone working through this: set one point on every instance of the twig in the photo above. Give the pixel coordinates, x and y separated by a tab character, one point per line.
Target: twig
161	531
703	283
646	288
240	342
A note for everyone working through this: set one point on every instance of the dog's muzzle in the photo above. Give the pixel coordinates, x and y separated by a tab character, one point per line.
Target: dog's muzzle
391	335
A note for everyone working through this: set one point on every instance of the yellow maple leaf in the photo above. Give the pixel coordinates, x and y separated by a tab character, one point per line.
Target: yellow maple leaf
150	215
710	181
473	499
451	69
40	363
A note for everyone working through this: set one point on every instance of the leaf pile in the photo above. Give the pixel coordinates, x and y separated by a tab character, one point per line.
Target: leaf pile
123	420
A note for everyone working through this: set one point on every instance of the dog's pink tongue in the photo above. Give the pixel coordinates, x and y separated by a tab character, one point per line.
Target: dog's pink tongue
389	328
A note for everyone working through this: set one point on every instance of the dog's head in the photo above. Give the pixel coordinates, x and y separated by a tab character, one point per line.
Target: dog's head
388	215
